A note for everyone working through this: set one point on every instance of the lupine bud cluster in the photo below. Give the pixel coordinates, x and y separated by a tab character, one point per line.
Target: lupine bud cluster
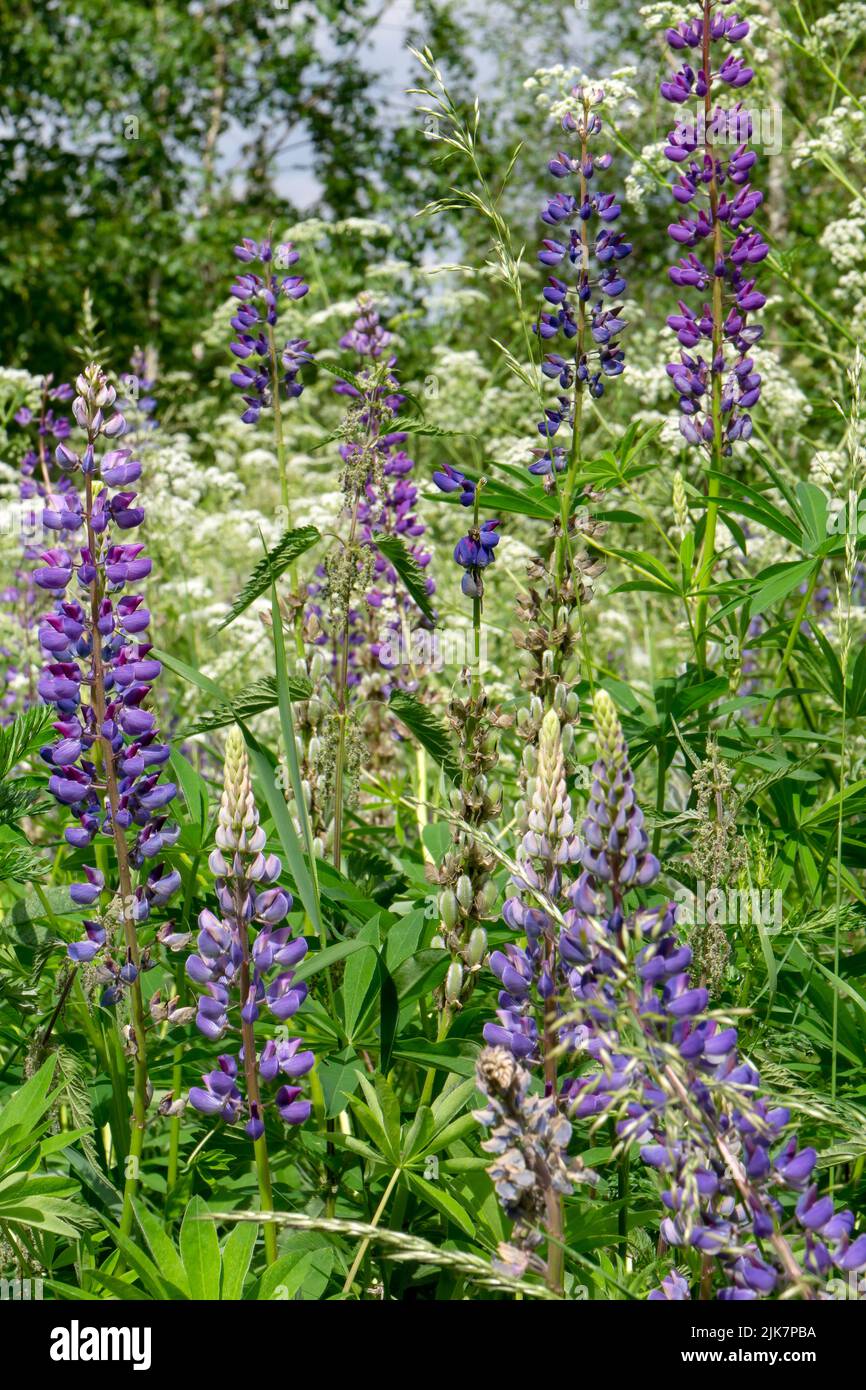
532	975
241	975
263	368
468	892
107	759
584	315
715	376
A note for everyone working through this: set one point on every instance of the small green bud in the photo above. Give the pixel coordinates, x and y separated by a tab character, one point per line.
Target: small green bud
448	909
438	942
476	947
454	982
488	896
465	893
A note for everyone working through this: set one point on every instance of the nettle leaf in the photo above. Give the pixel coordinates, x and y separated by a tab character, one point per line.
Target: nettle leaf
411	573
290	546
428	730
260	696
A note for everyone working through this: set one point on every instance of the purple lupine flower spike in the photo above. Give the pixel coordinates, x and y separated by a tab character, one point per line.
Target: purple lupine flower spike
256	371
681	1091
107	759
582	297
715	375
245	978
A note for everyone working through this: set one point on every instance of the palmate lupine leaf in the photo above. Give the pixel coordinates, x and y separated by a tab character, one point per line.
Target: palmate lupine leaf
260	696
427	729
288	548
411	573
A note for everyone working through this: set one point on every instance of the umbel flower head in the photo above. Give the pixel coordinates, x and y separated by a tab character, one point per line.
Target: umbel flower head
107	758
244	976
261	367
715	375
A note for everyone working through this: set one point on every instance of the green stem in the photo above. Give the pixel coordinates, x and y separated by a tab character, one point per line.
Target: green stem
364	1246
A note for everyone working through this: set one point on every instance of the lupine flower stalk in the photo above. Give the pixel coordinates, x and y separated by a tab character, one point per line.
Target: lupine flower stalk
106	761
382	622
717	386
584	320
532	977
242	975
353	565
264	372
670	1076
531	1170
468	893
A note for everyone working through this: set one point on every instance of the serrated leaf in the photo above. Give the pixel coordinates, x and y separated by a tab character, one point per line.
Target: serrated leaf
260	696
427	729
288	548
411	573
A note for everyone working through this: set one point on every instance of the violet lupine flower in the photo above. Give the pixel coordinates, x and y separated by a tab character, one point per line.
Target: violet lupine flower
385	508
140	405
450	479
718	386
243	976
107	758
257	371
46	503
474	552
672	1078
583	310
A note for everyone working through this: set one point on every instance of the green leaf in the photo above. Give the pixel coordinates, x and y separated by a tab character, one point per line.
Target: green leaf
24	736
162	1248
21	864
428	730
260	696
28	1104
237	1254
288	548
200	1251
436	1195
778	581
193	786
411	573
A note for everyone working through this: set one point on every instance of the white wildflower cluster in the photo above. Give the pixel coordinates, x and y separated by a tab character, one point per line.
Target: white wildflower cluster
841	135
840	30
554	90
642	179
845	242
